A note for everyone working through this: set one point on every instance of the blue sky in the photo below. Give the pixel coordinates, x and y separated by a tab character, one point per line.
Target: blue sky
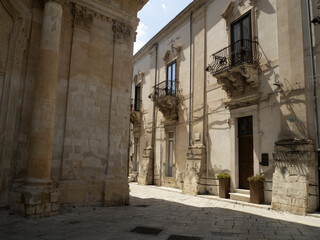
154	16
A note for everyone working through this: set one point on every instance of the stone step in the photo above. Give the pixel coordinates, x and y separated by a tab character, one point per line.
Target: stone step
243	191
240	197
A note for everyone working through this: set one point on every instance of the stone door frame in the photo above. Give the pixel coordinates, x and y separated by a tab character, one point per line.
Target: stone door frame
234	115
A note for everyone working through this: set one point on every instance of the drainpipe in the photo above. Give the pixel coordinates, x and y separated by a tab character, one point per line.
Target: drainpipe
154	116
205	105
190	84
316	120
129	131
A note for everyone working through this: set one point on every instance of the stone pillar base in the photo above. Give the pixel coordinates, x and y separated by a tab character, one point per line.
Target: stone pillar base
116	192
35	201
196	156
294	176
145	171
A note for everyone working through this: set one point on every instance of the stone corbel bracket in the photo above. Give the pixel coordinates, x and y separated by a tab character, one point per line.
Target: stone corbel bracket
82	17
239	80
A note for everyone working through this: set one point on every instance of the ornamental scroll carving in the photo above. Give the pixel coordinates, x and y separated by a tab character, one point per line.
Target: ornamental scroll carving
82	17
122	31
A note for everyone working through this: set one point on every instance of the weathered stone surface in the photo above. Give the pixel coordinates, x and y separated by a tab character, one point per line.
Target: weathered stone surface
292	177
64	70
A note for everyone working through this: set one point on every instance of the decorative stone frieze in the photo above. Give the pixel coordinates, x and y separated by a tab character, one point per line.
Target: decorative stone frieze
294	176
103	18
82	17
122	31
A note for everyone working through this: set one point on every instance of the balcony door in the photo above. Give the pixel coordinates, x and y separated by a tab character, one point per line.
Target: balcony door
241	37
171	78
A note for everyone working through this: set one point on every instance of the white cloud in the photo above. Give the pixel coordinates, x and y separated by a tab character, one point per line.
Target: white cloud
141	37
141	30
163	6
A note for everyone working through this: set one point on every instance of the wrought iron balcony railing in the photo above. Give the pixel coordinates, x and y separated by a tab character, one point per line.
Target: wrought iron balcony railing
135	105
165	88
240	52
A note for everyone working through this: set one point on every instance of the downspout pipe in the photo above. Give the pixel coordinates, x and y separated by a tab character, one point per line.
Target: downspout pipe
190	83
154	116
315	97
129	140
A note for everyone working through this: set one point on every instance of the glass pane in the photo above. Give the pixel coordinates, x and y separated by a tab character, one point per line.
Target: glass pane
236	32
173	78
170	158
246	24
137	98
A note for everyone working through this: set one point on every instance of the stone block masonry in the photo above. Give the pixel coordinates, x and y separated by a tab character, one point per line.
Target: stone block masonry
294	172
35	201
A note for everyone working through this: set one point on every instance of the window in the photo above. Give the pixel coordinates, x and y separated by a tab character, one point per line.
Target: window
241	40
170	154
171	78
137	99
136	155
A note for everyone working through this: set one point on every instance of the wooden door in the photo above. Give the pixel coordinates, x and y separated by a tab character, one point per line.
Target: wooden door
245	139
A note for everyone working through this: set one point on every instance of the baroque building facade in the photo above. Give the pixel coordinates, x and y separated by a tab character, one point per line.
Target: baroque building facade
64	95
227	86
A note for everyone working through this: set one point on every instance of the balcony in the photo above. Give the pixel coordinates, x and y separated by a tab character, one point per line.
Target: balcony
165	97
236	68
135	113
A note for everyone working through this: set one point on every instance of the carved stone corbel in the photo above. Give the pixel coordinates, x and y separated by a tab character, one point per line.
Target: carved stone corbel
237	81
226	85
82	18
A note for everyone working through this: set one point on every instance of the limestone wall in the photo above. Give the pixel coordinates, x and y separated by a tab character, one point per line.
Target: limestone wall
283	109
88	95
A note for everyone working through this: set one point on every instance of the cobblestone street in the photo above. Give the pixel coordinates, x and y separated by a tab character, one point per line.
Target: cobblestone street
165	209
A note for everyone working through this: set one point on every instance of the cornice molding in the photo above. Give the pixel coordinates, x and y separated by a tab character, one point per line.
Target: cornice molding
181	18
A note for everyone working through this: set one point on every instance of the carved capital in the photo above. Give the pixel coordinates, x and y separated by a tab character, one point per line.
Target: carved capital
122	31
82	17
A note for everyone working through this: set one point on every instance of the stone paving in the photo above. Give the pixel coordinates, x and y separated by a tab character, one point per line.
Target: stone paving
169	210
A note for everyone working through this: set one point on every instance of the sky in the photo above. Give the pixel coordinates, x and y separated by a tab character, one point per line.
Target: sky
154	16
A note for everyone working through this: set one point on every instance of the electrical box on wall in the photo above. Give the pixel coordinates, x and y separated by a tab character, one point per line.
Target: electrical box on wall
264	159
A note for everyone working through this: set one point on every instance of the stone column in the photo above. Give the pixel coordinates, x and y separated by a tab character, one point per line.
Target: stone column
38	197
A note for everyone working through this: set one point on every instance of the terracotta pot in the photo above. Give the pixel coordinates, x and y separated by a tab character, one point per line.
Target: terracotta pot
257	192
224	187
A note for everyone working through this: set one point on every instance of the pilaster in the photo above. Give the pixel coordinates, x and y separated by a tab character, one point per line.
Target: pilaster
116	177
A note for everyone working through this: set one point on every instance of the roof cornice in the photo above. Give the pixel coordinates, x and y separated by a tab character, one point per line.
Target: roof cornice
175	23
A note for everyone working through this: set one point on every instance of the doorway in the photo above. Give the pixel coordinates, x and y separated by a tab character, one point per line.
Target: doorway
245	140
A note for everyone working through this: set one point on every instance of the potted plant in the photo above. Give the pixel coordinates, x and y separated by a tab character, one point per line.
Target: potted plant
256	189
224	184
